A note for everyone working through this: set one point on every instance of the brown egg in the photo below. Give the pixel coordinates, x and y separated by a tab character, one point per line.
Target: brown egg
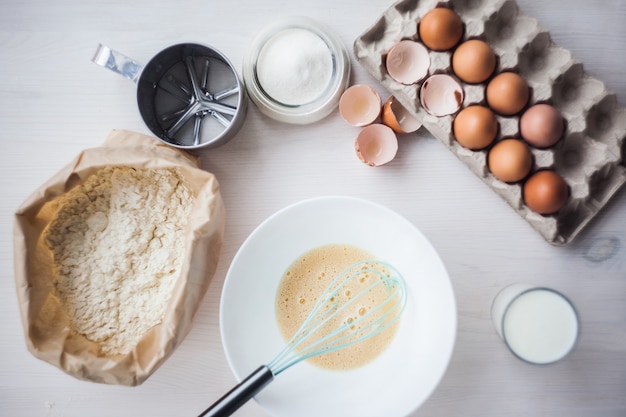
545	192
440	29
542	125
507	93
510	160
474	61
475	127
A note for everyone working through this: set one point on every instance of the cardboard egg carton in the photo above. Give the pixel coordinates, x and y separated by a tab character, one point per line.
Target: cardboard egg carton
591	156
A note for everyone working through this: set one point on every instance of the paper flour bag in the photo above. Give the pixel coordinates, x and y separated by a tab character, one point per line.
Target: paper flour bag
113	256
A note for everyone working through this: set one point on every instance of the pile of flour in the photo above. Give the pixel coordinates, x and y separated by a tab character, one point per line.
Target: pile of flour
118	242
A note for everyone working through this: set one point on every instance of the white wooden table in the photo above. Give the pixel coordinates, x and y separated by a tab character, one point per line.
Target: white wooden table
54	102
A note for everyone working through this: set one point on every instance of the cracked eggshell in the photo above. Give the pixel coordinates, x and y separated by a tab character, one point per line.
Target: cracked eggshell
376	145
408	62
360	105
397	117
441	95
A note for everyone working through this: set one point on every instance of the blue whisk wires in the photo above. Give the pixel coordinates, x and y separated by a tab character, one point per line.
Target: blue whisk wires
329	305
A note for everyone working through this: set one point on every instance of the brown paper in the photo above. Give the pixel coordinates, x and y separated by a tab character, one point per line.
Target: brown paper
46	326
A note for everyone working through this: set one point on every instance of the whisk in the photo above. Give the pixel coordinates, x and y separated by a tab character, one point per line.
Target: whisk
323	331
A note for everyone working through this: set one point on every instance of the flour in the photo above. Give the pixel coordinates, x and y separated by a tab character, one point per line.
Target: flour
295	67
118	242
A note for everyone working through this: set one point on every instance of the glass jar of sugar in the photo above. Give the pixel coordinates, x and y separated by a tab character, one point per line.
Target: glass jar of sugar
296	71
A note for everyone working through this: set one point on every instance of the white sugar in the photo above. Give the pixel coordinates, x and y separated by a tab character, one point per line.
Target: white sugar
295	67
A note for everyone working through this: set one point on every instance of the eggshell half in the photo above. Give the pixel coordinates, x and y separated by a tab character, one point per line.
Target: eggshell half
360	105
408	62
441	95
376	145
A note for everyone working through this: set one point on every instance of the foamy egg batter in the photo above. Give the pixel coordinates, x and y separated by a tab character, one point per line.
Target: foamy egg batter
307	278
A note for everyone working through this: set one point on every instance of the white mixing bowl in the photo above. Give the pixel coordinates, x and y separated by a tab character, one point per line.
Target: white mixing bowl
406	373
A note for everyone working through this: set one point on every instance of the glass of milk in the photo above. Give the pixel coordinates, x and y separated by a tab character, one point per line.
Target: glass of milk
539	325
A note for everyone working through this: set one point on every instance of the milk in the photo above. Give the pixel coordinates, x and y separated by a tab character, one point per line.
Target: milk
539	325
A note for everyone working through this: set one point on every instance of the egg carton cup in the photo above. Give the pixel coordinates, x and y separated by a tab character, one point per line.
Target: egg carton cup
591	154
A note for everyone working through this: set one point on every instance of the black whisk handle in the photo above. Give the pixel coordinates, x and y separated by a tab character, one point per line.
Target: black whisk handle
240	394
